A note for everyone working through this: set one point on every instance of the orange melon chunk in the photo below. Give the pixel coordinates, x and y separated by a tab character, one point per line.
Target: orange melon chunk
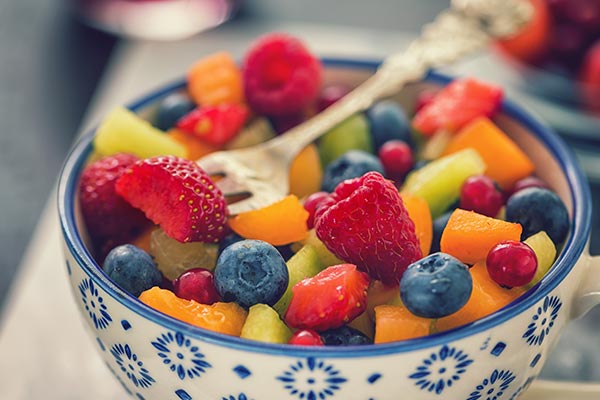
306	172
194	147
227	318
280	223
215	79
418	211
487	297
469	236
394	323
505	162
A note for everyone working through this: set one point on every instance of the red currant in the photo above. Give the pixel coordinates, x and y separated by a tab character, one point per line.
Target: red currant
511	263
530	181
480	193
397	159
306	337
330	95
311	203
197	284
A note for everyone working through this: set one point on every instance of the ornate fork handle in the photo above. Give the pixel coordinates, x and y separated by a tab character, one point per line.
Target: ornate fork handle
466	27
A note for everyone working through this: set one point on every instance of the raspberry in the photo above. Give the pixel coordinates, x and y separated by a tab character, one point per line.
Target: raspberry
177	195
281	76
109	219
365	222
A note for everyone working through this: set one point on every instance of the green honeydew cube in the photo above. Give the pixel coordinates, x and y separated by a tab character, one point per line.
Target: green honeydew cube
545	251
351	134
264	325
122	131
439	182
304	264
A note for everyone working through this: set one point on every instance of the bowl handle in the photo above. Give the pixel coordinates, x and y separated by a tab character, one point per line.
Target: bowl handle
588	293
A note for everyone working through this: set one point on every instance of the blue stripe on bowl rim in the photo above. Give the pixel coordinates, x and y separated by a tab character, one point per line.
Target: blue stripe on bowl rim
574	246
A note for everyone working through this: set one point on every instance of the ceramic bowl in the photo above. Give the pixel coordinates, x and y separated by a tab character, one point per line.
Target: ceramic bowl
157	357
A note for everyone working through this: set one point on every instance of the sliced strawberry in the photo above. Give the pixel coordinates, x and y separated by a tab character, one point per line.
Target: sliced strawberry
215	124
458	104
330	299
177	195
109	219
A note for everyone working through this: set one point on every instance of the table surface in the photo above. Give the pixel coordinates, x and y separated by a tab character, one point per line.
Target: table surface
41	335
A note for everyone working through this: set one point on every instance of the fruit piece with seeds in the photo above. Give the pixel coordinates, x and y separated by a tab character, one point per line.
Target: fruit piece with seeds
365	222
178	195
215	125
329	299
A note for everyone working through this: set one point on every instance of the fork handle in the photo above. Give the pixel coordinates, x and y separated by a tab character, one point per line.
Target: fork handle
454	33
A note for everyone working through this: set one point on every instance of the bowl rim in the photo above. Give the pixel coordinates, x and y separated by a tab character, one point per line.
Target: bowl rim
573	248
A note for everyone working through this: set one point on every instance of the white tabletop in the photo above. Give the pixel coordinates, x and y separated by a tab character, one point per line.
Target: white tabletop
42	338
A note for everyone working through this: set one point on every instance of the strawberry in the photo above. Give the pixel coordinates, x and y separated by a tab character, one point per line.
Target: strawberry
364	222
109	219
215	124
281	76
178	195
330	299
456	105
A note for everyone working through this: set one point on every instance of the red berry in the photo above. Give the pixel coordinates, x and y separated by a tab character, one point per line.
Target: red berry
214	124
458	104
284	123
331	94
197	284
311	204
511	263
281	77
480	193
397	159
423	98
306	337
330	299
530	181
179	196
109	219
364	222
590	77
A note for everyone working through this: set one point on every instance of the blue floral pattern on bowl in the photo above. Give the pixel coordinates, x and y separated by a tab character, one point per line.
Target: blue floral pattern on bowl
311	379
441	369
181	355
131	366
542	321
494	386
94	304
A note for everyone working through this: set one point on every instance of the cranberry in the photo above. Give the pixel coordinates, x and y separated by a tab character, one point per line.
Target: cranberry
311	203
511	263
330	95
530	181
306	337
284	123
480	193
397	159
197	284
568	41
584	13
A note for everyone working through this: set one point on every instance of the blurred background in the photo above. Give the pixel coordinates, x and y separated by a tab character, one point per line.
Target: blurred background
56	65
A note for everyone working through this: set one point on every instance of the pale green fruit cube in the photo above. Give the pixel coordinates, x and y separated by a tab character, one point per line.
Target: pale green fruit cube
545	251
264	325
351	134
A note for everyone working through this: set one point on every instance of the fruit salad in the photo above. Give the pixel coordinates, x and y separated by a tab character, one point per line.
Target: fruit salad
400	223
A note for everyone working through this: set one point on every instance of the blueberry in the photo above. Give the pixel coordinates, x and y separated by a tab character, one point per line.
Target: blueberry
249	272
436	286
538	209
132	269
351	164
171	109
388	121
344	336
439	224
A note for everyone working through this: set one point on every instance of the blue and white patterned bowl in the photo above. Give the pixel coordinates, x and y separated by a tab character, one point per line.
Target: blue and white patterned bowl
497	357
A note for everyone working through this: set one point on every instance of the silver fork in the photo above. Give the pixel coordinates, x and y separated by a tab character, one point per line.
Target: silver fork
259	173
